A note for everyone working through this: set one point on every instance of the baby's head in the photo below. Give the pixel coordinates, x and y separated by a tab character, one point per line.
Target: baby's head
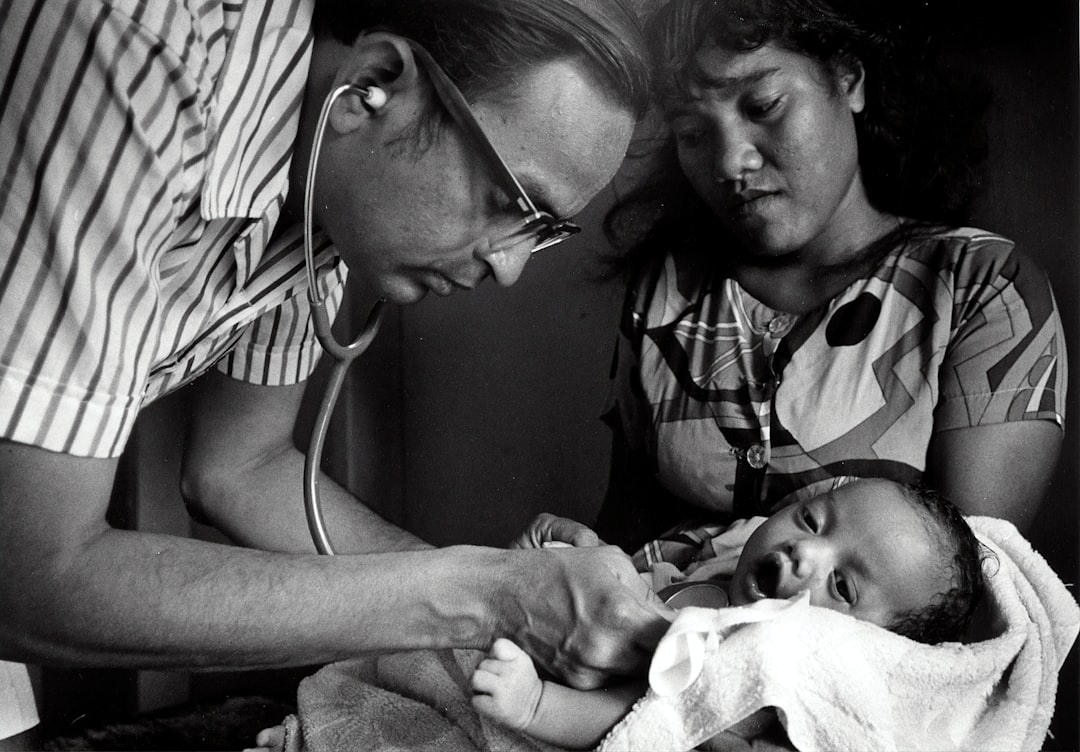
896	555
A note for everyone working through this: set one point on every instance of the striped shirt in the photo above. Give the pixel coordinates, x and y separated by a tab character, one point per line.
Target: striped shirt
144	154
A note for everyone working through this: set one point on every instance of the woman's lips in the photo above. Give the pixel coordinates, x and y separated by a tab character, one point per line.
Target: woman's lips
749	202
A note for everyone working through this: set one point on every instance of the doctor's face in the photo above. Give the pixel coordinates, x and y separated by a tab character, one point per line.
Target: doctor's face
409	219
862	549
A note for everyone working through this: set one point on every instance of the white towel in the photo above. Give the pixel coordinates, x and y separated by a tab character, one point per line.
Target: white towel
843	684
18	711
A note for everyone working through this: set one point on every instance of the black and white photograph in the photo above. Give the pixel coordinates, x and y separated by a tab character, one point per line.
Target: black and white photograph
539	375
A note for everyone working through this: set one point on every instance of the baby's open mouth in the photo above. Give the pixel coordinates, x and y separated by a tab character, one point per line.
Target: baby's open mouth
767	573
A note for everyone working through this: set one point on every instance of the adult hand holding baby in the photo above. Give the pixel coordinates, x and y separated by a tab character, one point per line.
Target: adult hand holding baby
548	529
591	615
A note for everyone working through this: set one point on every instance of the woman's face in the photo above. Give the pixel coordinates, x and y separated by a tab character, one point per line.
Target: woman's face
767	138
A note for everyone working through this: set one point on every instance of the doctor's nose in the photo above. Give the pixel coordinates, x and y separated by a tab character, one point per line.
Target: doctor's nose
506	264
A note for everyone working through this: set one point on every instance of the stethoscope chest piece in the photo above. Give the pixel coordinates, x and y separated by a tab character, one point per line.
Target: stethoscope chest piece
699	594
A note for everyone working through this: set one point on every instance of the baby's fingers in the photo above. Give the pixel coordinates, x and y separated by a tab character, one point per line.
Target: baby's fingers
505	650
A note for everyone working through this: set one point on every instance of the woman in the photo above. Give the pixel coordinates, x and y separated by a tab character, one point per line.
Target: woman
802	307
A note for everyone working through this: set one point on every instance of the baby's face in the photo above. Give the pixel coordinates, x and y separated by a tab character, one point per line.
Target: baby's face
862	549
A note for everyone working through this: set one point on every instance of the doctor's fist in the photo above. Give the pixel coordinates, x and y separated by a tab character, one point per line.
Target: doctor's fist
582	614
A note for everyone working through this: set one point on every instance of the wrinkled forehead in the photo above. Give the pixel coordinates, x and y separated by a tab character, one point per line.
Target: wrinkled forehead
560	134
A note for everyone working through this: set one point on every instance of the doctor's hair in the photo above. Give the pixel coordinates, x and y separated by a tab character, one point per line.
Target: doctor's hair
485	46
948	616
921	135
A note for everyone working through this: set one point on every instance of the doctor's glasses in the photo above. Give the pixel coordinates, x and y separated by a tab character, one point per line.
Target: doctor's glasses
538	227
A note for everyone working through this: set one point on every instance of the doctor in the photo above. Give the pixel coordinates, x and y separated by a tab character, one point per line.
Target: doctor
153	165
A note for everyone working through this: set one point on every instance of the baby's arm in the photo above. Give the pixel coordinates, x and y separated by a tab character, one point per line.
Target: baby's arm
508	689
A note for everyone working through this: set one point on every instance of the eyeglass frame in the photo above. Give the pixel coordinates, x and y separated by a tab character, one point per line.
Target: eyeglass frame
454	101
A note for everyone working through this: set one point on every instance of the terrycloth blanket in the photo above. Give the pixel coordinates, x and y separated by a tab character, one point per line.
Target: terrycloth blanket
842	684
838	683
402	702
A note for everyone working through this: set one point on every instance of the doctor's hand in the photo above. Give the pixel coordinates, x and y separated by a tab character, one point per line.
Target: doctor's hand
549	529
582	614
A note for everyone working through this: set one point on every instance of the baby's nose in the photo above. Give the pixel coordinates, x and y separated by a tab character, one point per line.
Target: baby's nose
810	557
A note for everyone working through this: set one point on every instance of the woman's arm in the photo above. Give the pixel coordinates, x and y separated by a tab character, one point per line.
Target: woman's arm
999	470
997	422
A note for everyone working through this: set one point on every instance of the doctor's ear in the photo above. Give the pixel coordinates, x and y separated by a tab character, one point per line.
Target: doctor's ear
381	68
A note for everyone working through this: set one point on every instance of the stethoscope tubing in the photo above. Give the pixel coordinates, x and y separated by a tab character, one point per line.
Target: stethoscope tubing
343	354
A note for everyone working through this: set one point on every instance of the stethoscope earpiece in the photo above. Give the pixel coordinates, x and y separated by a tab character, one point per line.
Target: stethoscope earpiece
374	97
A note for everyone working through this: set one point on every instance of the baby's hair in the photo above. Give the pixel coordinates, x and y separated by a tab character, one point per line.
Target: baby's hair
947	616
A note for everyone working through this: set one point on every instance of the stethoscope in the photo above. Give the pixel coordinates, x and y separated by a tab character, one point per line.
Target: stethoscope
373	99
342	354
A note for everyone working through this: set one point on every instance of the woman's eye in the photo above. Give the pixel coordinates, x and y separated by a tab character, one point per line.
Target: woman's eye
809	520
843	588
759	109
688	139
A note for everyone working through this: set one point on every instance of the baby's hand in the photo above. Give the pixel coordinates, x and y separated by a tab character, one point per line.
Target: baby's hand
506	686
547	528
269	740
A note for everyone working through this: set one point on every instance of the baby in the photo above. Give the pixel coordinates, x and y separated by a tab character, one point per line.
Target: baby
893	555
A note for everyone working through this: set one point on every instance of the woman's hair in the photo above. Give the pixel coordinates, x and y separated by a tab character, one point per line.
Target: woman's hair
486	45
920	134
947	616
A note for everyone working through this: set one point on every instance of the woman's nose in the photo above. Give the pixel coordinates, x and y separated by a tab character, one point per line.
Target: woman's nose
507	263
736	155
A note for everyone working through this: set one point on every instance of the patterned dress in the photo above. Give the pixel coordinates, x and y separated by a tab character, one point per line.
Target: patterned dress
740	409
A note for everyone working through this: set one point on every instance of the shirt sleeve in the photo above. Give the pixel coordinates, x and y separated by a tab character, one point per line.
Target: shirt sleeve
280	347
1006	358
88	197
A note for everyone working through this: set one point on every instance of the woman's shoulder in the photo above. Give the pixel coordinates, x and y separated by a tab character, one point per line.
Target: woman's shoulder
919	238
962	253
974	265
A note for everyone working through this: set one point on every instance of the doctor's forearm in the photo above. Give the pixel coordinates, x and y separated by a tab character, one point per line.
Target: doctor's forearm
261	505
139	600
243	474
74	591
